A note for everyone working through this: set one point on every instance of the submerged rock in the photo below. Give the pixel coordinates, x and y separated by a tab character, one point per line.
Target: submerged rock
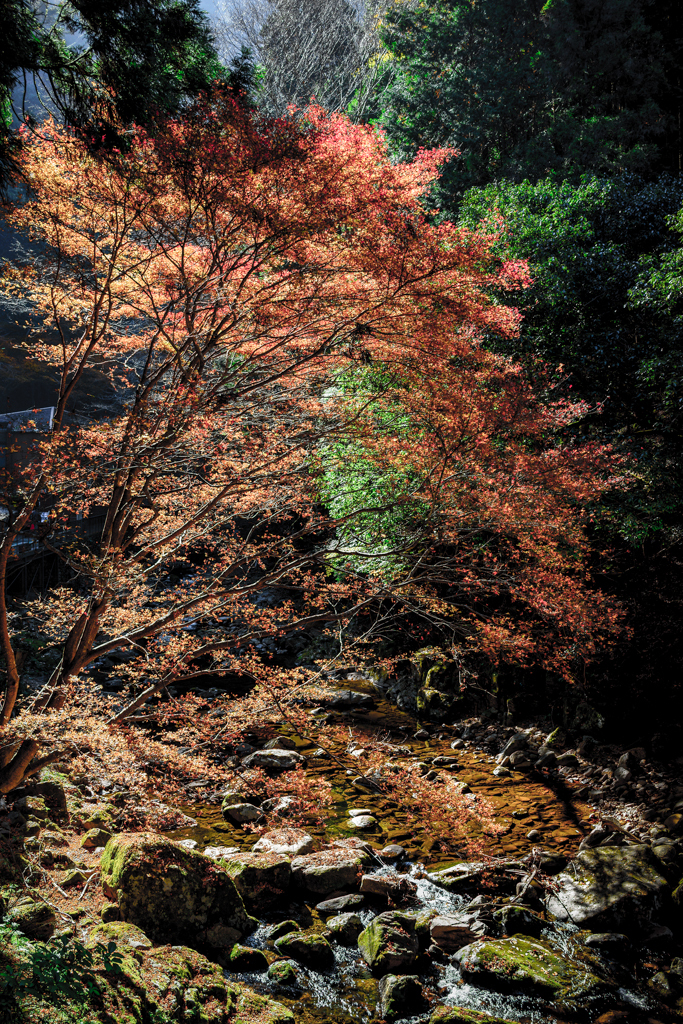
389	942
399	997
611	888
312	950
530	965
329	870
173	893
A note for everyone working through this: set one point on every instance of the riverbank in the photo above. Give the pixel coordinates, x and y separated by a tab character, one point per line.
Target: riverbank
563	878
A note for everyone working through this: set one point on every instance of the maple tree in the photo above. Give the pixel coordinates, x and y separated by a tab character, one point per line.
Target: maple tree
231	275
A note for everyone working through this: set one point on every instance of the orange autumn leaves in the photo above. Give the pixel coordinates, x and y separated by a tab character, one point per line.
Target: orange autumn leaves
228	275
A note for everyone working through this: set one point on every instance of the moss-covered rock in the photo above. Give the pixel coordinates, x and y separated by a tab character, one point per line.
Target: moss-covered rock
462	1015
34	918
389	943
261	878
173	893
312	950
345	928
399	997
246	958
282	928
610	888
282	972
529	965
95	837
121	932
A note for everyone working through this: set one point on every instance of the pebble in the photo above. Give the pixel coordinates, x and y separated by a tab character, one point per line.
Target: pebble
392	852
362	822
534	834
457	744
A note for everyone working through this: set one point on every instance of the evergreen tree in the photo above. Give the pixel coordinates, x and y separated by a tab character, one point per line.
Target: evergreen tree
522	89
138	58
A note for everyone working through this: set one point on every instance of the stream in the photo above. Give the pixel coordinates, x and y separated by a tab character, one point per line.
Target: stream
545	804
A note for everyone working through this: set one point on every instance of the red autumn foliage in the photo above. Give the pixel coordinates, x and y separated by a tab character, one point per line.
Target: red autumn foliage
226	275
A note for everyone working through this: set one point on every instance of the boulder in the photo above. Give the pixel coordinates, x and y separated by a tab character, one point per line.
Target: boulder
345	928
396	888
173	893
121	932
463	1015
292	841
389	943
274	760
350	699
453	931
399	996
610	888
328	870
281	928
340	904
530	965
34	918
282	972
311	950
245	958
95	837
362	822
242	814
261	878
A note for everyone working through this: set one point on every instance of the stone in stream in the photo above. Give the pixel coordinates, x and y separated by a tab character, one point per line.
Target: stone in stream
311	950
362	822
389	942
329	870
467	875
350	699
219	852
453	931
392	852
282	973
340	904
246	958
392	887
281	928
274	760
345	928
292	841
532	966
611	888
173	893
261	878
463	1015
241	814
399	997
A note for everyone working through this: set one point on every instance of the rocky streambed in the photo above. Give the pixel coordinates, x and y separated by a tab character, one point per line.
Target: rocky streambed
570	915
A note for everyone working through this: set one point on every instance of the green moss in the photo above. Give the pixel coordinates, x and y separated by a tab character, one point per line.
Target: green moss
530	964
461	1015
389	942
